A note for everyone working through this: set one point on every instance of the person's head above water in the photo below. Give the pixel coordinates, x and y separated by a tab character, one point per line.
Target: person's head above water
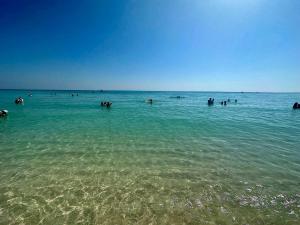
3	113
19	100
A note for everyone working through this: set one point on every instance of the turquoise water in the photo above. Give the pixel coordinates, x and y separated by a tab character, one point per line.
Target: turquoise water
66	160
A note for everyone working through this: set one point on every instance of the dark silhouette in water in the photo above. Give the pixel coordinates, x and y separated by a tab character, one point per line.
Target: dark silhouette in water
296	105
106	104
210	101
228	100
224	103
150	101
3	113
235	101
178	97
19	100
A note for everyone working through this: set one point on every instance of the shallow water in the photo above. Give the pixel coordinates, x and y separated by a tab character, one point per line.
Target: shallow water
66	160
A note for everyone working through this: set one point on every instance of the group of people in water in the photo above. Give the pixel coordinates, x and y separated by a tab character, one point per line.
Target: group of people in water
106	104
18	101
211	101
228	101
296	105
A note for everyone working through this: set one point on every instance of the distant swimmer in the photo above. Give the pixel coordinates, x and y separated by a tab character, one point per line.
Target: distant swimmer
296	105
223	102
19	100
235	101
106	104
210	101
150	101
178	97
3	113
228	100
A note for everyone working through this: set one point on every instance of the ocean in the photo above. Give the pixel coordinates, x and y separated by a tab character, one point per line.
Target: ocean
66	160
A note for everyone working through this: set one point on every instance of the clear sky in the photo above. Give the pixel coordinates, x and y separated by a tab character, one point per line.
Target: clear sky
199	45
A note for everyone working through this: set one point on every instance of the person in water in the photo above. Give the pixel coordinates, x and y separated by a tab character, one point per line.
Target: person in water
19	100
3	113
150	101
210	101
107	104
296	105
235	101
225	103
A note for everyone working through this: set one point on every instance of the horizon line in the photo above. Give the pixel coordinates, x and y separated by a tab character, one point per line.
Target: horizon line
139	90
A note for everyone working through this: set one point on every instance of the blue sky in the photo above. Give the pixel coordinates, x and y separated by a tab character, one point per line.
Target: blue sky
208	45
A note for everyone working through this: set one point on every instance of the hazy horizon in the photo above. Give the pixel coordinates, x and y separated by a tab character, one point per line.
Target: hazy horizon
217	45
140	90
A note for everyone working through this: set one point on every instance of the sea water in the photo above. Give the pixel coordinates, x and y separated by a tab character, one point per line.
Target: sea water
66	160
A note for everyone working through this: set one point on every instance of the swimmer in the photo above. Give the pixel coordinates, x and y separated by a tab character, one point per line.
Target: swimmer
19	100
150	101
3	113
296	106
